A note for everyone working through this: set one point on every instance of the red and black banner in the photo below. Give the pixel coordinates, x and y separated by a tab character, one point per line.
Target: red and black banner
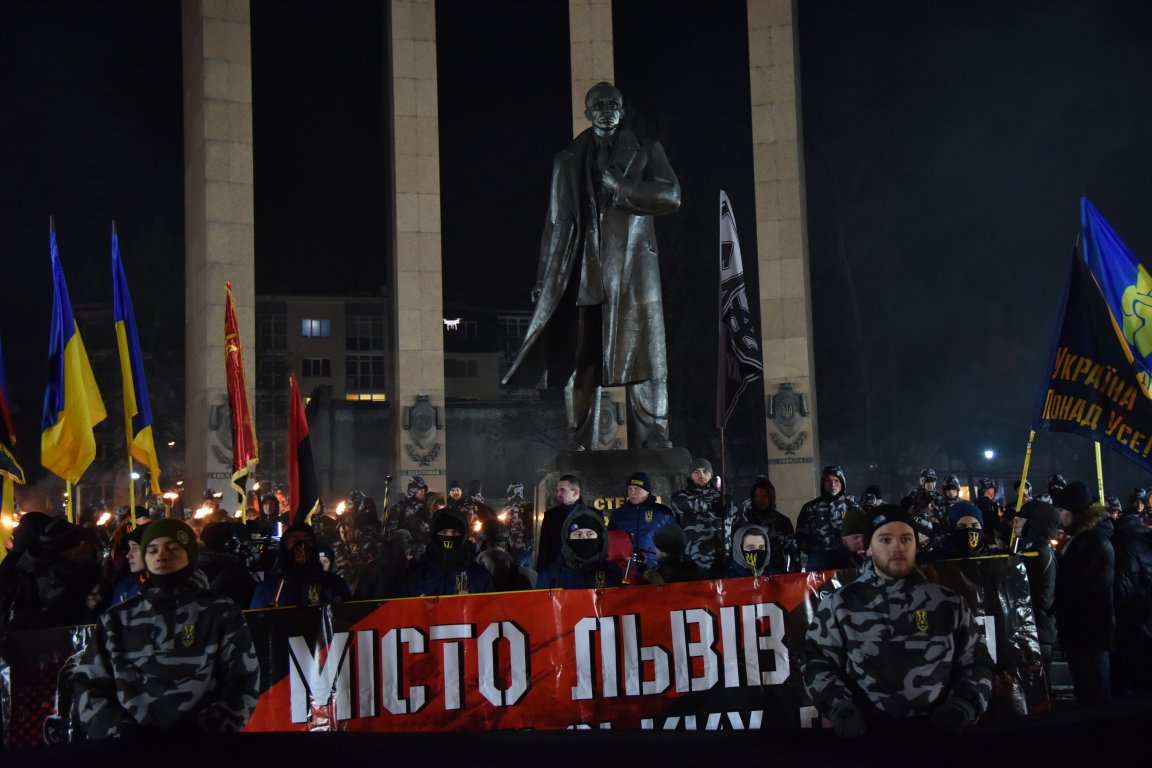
303	491
704	655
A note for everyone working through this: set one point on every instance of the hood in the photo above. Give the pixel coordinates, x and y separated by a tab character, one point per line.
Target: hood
1043	521
836	471
763	482
584	517
738	536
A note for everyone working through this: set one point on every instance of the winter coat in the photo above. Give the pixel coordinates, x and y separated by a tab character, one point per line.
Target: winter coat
177	659
1084	582
616	253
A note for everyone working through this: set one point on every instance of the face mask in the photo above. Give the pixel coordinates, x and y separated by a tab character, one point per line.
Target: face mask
754	558
585	549
447	551
967	539
301	555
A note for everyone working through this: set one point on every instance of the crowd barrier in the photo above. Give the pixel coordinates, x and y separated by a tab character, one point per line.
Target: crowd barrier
707	655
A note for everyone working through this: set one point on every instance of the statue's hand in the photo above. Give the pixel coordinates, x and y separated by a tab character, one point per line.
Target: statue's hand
611	179
536	291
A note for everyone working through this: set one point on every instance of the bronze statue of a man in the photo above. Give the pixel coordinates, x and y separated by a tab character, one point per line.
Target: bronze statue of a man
599	319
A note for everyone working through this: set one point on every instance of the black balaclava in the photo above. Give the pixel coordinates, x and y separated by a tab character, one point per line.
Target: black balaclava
448	552
301	557
582	554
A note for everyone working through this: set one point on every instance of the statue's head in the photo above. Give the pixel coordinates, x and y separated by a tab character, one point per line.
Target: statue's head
604	106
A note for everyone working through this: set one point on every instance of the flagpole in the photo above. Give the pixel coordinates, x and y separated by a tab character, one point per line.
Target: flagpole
131	492
68	501
1023	485
1099	471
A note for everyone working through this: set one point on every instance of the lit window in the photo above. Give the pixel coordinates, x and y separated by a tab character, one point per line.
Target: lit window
317	329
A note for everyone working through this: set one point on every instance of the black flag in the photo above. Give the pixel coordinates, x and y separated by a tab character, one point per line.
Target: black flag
740	361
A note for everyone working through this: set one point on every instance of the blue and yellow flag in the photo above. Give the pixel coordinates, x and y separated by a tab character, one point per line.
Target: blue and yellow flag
1092	387
1125	283
72	404
137	408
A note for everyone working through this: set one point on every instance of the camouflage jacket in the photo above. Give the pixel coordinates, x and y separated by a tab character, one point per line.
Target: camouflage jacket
409	514
819	522
179	658
896	646
701	513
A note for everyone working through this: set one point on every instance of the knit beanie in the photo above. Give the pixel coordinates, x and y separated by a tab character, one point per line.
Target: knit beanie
855	522
701	463
888	513
59	535
1076	498
963	509
641	480
170	527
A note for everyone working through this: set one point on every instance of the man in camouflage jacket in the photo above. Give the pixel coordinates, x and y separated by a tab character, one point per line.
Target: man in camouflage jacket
411	515
177	657
702	513
819	522
892	645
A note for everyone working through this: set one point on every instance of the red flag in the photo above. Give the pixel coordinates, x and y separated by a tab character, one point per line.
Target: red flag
302	488
245	455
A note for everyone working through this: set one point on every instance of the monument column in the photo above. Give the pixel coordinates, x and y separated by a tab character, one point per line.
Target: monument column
219	243
785	306
418	402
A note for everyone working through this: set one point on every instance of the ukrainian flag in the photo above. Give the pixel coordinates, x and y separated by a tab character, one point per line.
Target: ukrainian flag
72	404
1124	281
137	408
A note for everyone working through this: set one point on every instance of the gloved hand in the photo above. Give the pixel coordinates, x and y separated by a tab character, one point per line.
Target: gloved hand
846	719
953	716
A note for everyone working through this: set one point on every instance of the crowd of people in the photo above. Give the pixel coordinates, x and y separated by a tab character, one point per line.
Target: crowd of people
1089	569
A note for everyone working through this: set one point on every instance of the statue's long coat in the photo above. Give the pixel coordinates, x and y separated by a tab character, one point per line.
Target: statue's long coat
633	319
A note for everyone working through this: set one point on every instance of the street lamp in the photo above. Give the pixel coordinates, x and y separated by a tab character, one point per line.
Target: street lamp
989	454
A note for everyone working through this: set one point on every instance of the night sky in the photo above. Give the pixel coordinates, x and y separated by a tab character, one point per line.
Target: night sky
946	147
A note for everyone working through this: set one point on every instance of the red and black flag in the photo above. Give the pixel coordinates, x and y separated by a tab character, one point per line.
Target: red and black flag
302	487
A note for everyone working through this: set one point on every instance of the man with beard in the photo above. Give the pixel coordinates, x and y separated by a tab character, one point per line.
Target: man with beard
819	522
583	561
891	645
447	567
702	513
759	509
299	579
